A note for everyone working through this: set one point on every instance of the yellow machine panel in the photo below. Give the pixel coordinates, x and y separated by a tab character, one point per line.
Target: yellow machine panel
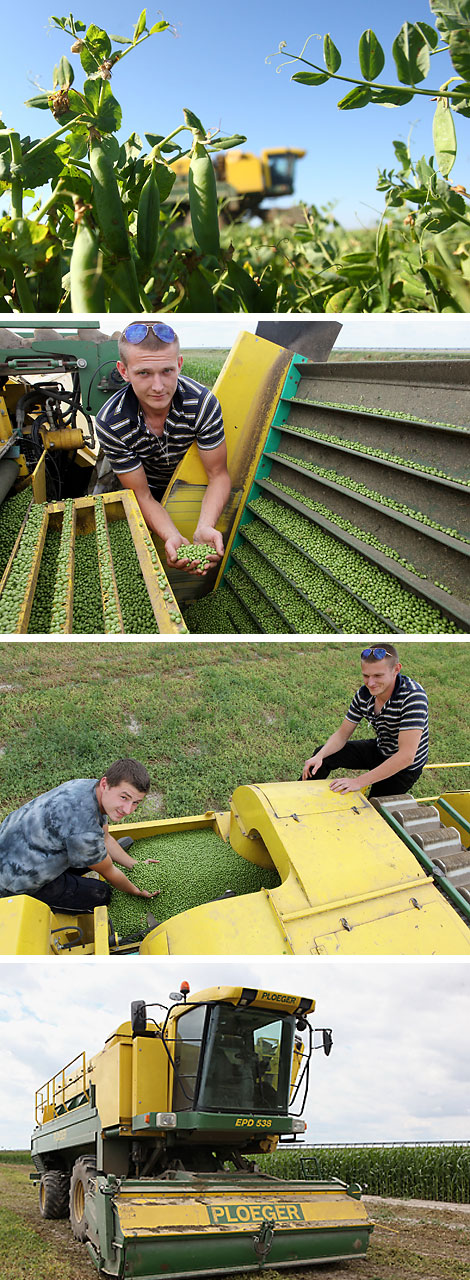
110	1072
150	1082
244	171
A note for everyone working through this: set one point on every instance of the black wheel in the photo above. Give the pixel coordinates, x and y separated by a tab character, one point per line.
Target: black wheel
83	1171
54	1194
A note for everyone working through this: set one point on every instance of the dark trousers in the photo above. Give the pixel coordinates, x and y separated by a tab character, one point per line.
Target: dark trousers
364	755
70	892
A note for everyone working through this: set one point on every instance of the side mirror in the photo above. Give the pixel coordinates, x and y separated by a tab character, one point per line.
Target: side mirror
327	1041
138	1017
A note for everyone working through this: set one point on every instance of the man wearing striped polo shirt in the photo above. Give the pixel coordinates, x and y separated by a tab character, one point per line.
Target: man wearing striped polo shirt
148	426
397	709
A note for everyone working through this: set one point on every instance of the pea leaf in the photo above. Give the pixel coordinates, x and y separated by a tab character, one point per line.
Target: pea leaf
193	121
392	97
65	73
459	49
411	53
371	55
358	97
445	142
140	25
109	115
165	178
402	153
310	77
224	144
346	300
159	26
96	49
331	55
42	101
450	15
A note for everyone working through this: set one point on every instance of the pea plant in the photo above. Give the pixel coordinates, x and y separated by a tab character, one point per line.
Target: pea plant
421	189
98	240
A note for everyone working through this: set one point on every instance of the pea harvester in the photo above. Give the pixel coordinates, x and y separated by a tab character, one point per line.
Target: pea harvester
349	509
151	1145
351	877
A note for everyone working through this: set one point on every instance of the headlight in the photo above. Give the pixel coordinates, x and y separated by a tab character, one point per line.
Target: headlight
165	1120
299	1126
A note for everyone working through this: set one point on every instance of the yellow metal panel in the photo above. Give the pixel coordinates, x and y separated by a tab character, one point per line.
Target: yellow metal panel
150	1084
344	873
460	800
25	927
111	1073
248	388
5	424
244	171
38	479
150	1214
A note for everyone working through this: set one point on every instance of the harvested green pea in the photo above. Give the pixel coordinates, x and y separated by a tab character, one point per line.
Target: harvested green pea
388	597
373	451
40	617
194	867
12	597
356	486
12	514
385	413
87	609
198	553
137	613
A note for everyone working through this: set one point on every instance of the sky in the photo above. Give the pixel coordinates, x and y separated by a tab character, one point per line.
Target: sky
398	1070
216	65
403	332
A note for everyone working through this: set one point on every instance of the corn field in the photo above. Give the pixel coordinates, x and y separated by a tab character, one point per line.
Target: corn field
425	1172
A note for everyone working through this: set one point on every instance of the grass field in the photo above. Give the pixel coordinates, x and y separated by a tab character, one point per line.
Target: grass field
411	1240
202	717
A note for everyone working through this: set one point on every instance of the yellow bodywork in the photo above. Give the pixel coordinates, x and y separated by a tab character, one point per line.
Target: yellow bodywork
148	1215
248	387
349	886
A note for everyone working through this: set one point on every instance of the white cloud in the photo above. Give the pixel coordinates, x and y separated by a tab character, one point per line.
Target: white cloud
401	1030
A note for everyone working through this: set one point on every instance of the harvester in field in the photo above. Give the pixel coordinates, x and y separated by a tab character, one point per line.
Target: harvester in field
244	180
303	870
151	1145
349	509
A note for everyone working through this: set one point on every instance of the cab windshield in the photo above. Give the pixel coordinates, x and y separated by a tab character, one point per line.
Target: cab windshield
230	1059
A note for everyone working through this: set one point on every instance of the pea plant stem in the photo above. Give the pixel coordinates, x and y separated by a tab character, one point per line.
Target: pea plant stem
374	84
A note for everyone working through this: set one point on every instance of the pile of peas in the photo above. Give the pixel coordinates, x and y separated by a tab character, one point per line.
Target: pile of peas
13	593
194	867
356	486
407	612
373	451
12	514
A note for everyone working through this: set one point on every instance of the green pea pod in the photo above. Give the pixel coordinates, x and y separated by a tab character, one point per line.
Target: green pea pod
86	279
124	293
106	195
203	201
148	219
443	132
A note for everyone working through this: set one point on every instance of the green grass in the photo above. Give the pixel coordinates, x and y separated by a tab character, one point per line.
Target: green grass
204	366
202	717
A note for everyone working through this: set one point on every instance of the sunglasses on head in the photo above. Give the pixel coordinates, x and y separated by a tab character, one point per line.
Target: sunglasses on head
138	331
376	651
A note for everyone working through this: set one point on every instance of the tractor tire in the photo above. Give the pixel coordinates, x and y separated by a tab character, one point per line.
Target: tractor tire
83	1171
54	1194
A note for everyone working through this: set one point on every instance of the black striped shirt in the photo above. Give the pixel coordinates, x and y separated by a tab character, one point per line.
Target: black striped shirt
407	708
194	414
